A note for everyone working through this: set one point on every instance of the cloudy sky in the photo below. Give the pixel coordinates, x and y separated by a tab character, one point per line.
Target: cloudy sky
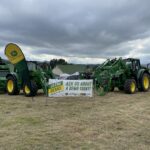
81	31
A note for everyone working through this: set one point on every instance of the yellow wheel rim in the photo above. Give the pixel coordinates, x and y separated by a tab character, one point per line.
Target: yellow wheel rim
27	90
133	87
10	86
146	82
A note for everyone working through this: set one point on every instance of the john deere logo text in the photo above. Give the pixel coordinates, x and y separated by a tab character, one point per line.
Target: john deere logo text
14	53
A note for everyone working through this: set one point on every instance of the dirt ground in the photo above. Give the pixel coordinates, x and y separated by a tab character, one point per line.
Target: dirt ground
116	121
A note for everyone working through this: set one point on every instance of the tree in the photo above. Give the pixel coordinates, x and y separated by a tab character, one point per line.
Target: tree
61	62
55	62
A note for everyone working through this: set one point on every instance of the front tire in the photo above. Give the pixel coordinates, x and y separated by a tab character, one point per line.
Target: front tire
130	86
11	86
145	82
30	92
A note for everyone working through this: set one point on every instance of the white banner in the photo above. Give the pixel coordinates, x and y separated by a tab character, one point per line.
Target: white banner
58	88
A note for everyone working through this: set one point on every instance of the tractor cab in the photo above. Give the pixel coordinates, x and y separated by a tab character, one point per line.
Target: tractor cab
133	64
33	66
148	66
4	69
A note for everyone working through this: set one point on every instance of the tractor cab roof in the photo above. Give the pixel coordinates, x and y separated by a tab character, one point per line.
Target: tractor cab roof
131	59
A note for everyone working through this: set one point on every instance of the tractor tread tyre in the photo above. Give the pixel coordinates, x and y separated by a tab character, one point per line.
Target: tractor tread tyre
33	92
141	81
15	90
127	86
34	87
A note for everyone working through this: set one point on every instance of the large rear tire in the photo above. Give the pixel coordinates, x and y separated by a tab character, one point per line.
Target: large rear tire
11	86
145	82
30	92
130	86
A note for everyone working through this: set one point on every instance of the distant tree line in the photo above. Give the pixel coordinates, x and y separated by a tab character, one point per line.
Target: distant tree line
55	62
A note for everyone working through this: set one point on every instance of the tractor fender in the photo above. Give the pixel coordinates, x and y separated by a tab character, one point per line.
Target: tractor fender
12	75
141	72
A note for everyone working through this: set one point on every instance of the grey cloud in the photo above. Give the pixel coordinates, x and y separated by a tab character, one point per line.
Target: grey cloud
75	27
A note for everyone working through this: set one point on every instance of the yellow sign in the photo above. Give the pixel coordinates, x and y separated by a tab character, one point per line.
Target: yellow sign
14	53
56	89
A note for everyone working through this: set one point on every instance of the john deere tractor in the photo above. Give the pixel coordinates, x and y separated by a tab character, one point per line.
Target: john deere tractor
126	74
4	70
26	76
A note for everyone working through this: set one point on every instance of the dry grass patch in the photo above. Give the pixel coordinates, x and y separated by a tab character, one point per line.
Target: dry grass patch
116	121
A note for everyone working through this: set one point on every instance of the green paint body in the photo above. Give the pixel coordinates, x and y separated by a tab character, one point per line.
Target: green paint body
113	73
21	71
22	74
4	70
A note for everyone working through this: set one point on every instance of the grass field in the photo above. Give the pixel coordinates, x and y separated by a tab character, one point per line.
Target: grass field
116	121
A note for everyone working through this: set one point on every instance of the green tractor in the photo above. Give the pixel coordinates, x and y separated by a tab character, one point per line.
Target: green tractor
28	76
4	70
125	74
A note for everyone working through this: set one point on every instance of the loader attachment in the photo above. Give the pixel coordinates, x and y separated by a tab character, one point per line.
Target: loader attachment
103	85
106	75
